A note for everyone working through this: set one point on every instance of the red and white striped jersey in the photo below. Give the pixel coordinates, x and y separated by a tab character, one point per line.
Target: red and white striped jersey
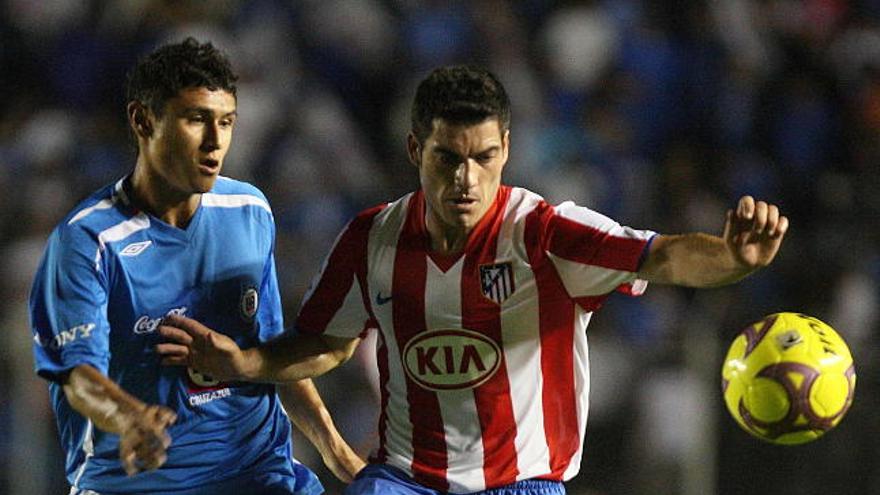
482	359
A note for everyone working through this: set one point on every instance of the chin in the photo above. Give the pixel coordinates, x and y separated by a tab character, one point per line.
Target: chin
464	222
204	186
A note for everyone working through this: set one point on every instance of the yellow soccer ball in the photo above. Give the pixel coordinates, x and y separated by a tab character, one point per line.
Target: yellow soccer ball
788	378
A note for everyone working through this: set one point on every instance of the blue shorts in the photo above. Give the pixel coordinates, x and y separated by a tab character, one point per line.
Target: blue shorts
381	479
303	482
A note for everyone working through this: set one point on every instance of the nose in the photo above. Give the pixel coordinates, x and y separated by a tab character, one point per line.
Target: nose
211	138
465	175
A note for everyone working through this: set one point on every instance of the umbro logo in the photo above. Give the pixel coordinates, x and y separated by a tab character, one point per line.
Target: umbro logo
135	248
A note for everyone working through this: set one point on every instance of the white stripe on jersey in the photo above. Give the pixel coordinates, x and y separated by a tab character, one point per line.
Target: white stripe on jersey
354	321
233	201
88	448
100	205
581	383
104	204
574	274
458	408
119	232
523	363
76	491
382	245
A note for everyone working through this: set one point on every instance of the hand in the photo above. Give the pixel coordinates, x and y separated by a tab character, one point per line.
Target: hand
754	232
199	347
144	442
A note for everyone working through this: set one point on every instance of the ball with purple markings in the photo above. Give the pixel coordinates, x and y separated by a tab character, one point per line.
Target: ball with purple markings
788	378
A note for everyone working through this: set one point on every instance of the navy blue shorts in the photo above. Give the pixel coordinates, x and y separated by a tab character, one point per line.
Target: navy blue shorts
381	479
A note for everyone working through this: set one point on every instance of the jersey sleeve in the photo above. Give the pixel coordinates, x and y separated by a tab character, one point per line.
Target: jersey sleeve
593	254
68	306
337	303
269	312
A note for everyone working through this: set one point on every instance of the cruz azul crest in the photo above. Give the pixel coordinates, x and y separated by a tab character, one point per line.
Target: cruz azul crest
496	281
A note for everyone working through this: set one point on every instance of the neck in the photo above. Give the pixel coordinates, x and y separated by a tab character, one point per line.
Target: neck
152	193
446	240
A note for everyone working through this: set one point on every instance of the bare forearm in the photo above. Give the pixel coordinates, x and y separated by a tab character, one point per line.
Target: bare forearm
308	413
293	359
101	400
143	439
692	260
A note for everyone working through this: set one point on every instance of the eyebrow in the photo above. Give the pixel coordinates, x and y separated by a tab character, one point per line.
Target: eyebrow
205	110
446	151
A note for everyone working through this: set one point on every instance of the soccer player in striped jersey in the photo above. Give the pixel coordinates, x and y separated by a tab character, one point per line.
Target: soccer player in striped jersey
172	237
481	294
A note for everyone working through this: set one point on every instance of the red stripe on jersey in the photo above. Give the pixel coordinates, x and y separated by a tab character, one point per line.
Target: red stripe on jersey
349	260
382	363
408	312
556	320
483	315
591	303
588	245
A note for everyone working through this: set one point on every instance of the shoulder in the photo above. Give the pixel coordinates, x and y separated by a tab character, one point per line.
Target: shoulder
99	212
385	216
524	205
231	193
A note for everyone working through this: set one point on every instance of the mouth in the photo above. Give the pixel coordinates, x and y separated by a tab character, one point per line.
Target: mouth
209	166
463	203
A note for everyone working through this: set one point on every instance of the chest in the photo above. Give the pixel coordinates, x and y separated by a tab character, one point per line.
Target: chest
213	274
477	293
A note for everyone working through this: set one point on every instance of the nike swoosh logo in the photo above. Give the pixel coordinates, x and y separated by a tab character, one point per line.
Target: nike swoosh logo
382	300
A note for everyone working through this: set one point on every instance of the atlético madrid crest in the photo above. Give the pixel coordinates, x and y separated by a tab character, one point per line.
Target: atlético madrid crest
496	281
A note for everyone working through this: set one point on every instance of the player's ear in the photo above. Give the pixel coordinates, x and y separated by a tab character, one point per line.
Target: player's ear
413	149
505	146
139	119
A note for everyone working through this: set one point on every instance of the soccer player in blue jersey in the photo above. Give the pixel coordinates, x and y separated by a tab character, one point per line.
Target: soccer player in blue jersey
171	238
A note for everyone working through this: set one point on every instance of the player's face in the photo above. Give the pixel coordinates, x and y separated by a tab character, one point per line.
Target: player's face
460	171
191	138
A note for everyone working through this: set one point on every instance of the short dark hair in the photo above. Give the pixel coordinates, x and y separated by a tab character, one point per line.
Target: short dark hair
459	94
162	74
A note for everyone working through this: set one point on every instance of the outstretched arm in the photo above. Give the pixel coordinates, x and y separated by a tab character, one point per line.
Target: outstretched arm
308	413
284	360
752	236
143	441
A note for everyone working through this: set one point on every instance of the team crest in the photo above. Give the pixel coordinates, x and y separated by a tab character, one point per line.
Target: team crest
249	303
496	281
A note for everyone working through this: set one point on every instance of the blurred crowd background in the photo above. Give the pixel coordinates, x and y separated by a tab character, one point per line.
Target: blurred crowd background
657	113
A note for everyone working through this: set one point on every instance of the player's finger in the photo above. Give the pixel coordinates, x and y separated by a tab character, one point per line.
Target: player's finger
160	416
172	350
150	454
130	465
128	457
772	219
190	326
165	416
175	361
728	224
175	334
154	461
781	227
760	217
166	440
745	208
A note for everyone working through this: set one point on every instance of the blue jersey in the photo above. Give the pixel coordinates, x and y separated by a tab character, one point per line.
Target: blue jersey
109	275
